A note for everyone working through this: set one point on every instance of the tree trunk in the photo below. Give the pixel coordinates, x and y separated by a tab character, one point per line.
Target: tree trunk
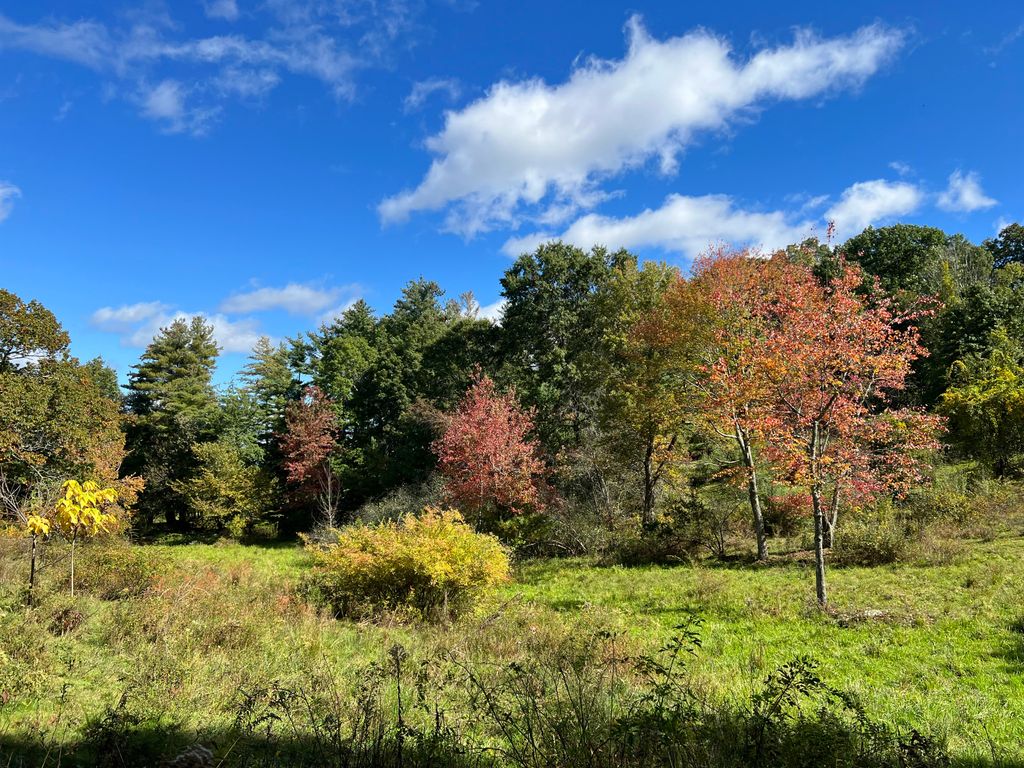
752	491
32	571
74	536
828	535
819	525
649	481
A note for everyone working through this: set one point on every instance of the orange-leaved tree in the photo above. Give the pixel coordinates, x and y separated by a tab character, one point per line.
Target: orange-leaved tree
720	317
488	456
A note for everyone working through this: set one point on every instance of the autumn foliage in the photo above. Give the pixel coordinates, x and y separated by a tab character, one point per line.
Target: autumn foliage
487	456
307	443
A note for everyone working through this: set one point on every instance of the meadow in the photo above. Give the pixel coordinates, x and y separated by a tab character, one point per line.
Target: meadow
178	643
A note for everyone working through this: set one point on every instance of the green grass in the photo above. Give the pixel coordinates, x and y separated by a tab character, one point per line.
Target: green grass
945	655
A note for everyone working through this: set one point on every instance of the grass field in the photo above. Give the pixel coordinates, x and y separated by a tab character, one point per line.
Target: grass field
936	648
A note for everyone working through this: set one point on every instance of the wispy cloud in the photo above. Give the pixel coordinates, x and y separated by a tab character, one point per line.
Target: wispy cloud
1006	40
166	103
8	194
294	298
424	89
324	41
964	194
221	9
533	150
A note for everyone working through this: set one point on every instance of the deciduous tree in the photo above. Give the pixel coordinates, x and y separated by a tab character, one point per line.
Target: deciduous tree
488	457
829	361
308	441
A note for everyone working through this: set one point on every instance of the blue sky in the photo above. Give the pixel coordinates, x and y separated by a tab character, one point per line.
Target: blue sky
265	162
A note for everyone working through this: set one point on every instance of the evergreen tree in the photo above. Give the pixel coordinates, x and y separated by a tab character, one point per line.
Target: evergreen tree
172	398
270	384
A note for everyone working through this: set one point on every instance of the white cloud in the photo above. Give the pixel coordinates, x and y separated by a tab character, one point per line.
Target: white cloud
329	42
903	169
335	313
964	194
221	9
137	324
235	335
868	202
295	298
529	146
166	103
127	316
1001	223
8	194
494	312
687	225
424	89
83	42
246	83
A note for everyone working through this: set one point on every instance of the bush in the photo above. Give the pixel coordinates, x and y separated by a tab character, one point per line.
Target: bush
404	500
433	566
114	570
874	539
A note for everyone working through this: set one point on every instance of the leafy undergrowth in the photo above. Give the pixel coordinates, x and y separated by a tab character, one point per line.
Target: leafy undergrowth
212	630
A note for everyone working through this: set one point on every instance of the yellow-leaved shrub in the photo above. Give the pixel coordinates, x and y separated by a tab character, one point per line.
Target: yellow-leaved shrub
433	566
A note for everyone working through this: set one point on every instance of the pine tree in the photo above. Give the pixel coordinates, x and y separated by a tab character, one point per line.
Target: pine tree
175	406
269	381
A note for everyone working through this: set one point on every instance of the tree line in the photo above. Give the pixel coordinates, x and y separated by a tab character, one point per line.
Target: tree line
608	395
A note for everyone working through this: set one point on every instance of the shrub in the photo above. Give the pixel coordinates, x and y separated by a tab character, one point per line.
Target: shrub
874	539
404	500
433	565
114	570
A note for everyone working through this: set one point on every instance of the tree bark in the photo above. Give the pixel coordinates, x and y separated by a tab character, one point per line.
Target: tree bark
820	589
752	492
828	535
649	481
74	536
32	572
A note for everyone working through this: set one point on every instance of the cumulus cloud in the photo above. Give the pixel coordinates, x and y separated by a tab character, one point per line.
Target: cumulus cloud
137	324
424	89
8	194
127	316
494	312
295	298
964	194
530	148
334	313
689	225
869	202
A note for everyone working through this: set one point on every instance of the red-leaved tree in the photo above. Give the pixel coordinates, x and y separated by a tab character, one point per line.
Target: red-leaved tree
308	440
487	456
828	362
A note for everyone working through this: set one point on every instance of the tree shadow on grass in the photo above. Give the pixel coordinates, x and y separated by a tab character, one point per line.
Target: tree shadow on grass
717	745
160	746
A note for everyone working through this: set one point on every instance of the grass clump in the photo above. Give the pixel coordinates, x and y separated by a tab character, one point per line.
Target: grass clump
433	566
